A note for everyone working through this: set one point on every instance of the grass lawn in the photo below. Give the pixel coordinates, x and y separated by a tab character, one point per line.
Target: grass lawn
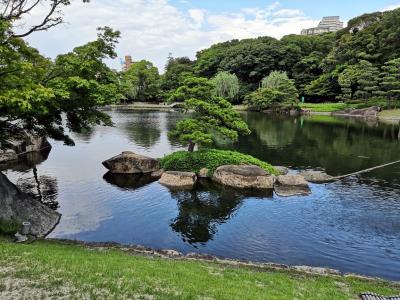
323	107
48	269
390	114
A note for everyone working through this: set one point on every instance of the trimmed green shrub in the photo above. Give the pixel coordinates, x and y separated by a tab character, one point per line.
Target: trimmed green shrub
210	159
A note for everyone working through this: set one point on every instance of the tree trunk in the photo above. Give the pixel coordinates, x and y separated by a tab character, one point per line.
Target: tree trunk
191	146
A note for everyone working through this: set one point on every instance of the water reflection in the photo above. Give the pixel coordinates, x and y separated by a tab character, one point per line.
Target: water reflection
128	181
203	210
43	188
144	129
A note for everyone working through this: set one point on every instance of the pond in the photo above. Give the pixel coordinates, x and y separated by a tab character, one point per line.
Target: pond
352	225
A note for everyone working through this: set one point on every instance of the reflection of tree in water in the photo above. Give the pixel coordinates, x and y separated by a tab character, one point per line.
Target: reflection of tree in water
273	131
203	209
41	187
143	129
84	136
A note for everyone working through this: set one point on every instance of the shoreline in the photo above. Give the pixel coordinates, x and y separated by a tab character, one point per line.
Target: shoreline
175	255
391	119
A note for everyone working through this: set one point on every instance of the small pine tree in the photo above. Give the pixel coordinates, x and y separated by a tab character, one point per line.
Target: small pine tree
211	116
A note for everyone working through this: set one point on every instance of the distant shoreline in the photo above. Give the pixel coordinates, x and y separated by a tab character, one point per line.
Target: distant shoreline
387	116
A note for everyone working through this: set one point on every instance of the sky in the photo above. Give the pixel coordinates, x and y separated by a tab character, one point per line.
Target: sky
151	29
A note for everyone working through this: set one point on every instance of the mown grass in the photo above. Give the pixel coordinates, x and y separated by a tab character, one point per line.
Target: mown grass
210	159
391	114
77	272
354	104
323	107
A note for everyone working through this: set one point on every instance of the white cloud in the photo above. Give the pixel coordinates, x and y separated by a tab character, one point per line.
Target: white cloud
153	28
391	7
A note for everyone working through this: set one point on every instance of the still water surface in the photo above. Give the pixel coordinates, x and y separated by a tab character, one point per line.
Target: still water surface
352	225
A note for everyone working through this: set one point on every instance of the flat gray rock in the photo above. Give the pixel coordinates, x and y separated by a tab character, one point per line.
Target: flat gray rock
243	177
291	185
131	163
316	176
178	180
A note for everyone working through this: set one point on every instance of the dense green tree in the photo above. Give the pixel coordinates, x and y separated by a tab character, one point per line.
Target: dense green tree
226	86
277	92
210	117
390	81
359	81
35	93
175	72
192	87
141	82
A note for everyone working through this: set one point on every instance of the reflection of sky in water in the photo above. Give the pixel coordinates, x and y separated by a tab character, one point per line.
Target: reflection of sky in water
351	225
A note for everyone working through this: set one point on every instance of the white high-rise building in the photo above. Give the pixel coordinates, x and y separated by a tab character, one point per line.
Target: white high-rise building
327	24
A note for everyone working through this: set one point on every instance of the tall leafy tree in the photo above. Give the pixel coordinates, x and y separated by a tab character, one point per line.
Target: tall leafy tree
141	82
175	72
277	92
226	86
390	81
35	93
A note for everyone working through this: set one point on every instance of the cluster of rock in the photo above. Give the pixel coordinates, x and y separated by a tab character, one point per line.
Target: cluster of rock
246	177
16	147
367	113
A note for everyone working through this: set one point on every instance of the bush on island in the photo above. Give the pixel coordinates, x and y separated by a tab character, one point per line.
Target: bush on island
210	159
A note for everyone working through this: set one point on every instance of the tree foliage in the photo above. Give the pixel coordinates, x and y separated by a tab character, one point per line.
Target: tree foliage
211	116
141	82
277	92
226	86
36	93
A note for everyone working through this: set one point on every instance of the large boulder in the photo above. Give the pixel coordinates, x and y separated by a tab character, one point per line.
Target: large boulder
131	163
178	180
316	176
243	177
27	143
7	155
291	185
16	205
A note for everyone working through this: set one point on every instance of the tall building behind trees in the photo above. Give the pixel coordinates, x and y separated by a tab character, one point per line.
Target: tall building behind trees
327	24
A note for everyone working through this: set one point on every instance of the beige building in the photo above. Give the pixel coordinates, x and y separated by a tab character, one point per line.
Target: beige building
127	63
327	24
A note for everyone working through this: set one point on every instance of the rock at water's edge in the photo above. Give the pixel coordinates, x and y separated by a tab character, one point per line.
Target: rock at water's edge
178	180
7	155
131	163
203	173
291	185
369	113
316	176
19	206
281	170
243	177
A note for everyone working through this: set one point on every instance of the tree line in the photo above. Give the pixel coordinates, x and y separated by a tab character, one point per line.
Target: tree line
358	63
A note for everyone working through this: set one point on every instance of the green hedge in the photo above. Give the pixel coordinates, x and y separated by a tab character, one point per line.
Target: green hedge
210	159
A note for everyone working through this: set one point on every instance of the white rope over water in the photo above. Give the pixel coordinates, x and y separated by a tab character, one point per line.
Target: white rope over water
365	171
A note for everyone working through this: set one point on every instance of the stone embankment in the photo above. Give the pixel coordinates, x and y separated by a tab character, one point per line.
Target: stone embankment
13	148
